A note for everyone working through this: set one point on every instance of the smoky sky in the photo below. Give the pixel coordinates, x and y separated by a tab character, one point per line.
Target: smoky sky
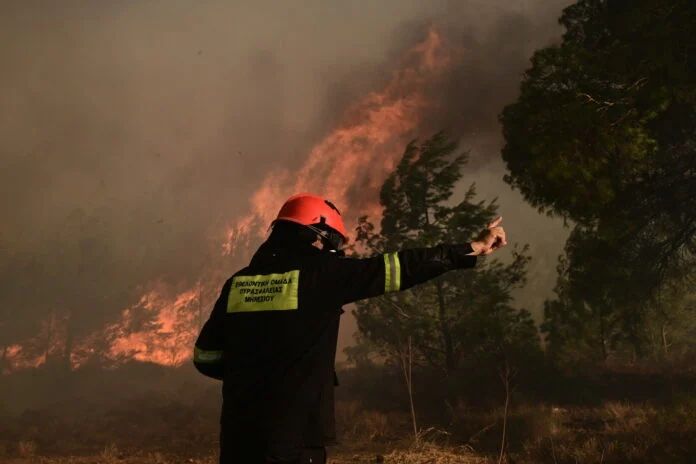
146	125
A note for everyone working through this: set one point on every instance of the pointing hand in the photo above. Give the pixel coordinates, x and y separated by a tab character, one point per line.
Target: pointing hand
490	239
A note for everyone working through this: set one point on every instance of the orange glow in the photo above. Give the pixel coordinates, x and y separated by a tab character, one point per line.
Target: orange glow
351	161
172	331
362	151
19	360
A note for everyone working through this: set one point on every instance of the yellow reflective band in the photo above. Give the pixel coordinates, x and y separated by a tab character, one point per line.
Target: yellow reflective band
392	273
397	272
387	274
206	356
270	292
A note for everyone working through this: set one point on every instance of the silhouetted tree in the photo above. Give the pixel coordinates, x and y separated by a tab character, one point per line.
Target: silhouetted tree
603	134
458	321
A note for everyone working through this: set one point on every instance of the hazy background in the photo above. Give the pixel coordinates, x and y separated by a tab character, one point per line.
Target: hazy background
161	118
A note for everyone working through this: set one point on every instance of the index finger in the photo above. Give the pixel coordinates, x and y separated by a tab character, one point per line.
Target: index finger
495	222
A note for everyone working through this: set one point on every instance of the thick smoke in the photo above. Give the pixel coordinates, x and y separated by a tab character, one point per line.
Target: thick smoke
132	131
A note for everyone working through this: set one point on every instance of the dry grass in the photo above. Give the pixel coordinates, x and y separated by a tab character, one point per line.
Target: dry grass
110	454
427	453
144	459
374	437
27	449
358	425
616	432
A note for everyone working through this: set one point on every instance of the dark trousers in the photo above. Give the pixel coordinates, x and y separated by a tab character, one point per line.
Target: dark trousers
239	455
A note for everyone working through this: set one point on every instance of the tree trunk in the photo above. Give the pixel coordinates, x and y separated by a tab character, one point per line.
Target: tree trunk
602	334
49	336
4	362
505	375
450	363
69	340
638	352
665	345
407	369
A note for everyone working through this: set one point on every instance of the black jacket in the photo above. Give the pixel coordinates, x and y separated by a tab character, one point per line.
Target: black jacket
272	334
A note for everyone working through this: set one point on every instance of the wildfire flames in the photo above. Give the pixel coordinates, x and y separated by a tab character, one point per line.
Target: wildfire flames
363	148
172	339
356	156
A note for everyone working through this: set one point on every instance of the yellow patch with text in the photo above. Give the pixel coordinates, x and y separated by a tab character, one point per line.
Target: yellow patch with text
270	292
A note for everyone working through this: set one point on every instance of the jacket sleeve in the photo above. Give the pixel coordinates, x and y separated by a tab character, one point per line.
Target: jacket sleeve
346	280
208	351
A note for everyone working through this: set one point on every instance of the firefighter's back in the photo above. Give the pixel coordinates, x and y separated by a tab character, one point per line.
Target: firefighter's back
279	343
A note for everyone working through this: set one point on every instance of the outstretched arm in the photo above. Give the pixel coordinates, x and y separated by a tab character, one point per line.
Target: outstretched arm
346	280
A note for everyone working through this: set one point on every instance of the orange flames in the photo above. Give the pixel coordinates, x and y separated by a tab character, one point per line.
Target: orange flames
356	157
360	152
158	328
175	322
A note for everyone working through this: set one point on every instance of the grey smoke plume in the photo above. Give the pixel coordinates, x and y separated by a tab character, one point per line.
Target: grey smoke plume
131	131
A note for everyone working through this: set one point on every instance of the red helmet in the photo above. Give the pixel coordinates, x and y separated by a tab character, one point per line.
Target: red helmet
308	210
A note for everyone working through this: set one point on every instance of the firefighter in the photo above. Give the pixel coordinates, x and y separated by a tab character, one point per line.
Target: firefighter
271	336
